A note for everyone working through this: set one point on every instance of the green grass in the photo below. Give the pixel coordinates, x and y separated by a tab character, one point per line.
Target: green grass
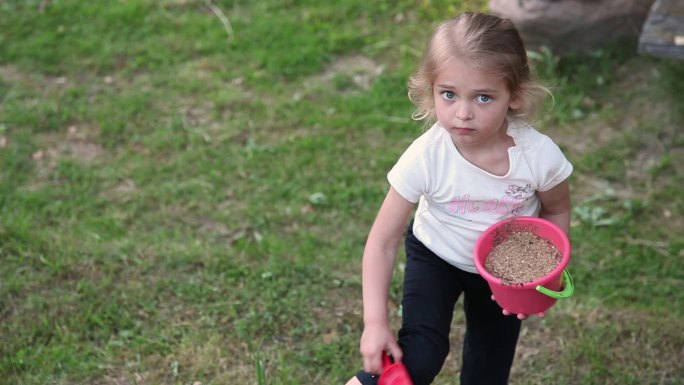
184	202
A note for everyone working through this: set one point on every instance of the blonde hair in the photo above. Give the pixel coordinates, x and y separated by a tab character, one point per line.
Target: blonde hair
488	42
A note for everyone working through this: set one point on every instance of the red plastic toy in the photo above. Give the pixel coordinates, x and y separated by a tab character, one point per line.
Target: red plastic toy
393	373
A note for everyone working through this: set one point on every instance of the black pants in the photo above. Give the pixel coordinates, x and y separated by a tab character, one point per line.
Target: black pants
431	289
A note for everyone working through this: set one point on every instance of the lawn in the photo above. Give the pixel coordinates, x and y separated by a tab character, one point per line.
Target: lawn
186	187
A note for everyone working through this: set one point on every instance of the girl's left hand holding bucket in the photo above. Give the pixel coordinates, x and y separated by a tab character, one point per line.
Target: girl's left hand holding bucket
519	315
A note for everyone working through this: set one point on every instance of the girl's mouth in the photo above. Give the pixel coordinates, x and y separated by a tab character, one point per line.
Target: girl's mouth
463	130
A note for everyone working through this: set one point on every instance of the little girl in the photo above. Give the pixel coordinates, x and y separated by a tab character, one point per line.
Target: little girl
478	164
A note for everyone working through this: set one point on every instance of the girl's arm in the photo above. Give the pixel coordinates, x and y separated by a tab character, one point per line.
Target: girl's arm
556	205
378	264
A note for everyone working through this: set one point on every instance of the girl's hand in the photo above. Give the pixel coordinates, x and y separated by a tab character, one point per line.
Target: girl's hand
378	338
520	316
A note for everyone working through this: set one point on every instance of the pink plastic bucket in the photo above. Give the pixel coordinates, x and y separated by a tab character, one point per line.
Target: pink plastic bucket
532	297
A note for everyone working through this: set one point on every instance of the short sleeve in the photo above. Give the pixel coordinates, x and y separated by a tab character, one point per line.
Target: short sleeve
409	176
552	165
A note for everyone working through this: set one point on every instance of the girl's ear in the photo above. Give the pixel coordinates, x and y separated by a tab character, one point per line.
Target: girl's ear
515	102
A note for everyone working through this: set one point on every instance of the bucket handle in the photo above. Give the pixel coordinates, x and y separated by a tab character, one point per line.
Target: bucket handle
567	291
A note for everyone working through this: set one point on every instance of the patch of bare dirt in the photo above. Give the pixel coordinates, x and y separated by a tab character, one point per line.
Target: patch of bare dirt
14	75
119	379
79	144
78	141
123	191
46	85
362	71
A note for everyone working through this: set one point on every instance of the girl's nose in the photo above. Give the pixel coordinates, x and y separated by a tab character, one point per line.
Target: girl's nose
463	111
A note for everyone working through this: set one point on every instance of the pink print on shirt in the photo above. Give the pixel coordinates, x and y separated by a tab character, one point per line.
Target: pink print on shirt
511	202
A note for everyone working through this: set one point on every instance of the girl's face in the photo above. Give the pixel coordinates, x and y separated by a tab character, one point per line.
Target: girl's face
472	104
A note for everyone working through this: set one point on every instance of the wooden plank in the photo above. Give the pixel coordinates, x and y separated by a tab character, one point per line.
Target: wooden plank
663	30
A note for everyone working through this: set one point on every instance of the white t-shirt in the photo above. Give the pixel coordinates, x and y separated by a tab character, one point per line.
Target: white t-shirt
457	200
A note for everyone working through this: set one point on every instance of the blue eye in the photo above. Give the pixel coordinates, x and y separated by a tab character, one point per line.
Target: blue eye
448	95
484	99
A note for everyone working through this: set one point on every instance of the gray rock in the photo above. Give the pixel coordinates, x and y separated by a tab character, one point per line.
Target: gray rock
573	25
